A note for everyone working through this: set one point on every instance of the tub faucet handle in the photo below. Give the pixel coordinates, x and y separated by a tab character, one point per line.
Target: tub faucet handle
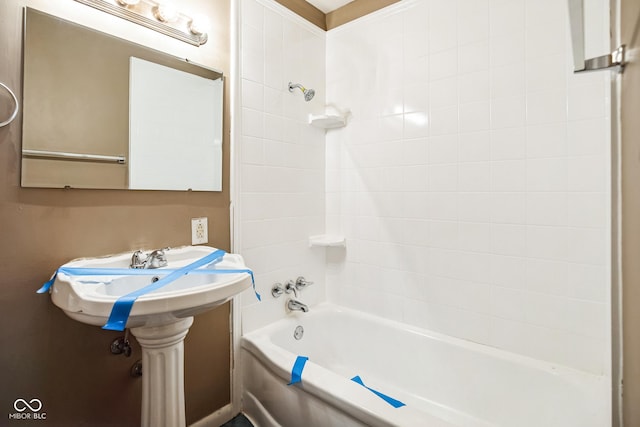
277	290
291	287
302	283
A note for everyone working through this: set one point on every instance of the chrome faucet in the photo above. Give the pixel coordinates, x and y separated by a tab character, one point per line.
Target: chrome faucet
155	259
291	287
295	305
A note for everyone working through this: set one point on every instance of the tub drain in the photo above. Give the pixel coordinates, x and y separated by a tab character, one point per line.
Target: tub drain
297	334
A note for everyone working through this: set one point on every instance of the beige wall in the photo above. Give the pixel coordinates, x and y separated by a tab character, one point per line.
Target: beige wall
630	103
45	355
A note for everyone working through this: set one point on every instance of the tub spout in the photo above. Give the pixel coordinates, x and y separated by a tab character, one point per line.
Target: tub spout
295	305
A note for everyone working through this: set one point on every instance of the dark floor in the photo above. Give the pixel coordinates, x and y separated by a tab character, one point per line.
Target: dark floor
238	421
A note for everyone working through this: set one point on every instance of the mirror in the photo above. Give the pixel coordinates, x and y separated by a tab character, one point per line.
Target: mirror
102	112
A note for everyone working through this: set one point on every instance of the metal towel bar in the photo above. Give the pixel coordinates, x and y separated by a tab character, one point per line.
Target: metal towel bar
15	110
613	60
74	156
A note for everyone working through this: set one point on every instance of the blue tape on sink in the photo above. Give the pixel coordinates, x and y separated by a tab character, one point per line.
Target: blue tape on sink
81	271
296	372
107	271
390	400
122	307
45	288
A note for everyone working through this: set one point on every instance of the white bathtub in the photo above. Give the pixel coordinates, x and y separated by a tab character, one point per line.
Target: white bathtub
443	381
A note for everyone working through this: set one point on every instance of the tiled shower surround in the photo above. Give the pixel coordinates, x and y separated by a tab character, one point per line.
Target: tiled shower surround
471	181
280	158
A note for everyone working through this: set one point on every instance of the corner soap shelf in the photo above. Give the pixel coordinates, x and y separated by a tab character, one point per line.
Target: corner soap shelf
328	241
328	121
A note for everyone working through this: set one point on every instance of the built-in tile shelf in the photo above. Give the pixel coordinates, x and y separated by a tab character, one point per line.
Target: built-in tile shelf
332	118
328	121
328	241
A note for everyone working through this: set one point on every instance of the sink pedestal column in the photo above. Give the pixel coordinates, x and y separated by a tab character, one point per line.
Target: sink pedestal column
163	373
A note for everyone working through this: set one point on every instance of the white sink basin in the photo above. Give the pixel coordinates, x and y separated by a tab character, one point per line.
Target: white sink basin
90	298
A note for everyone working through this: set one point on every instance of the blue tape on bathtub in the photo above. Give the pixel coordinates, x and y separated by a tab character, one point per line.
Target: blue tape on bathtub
123	305
390	400
296	372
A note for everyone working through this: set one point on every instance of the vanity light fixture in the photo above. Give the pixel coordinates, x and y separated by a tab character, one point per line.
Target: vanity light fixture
160	16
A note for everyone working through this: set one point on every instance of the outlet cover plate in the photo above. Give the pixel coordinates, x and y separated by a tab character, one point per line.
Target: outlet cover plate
199	231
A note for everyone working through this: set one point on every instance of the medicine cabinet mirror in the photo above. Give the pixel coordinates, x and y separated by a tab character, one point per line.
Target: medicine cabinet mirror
102	112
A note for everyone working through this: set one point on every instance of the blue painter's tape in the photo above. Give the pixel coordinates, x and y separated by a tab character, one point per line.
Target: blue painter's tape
123	305
107	271
253	282
81	271
296	372
47	285
390	400
71	271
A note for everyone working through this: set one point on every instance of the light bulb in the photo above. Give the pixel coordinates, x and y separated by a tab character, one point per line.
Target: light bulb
165	12
199	25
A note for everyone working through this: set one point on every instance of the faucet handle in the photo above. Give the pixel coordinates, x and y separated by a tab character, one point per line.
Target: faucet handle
302	283
157	259
291	287
159	253
137	259
277	290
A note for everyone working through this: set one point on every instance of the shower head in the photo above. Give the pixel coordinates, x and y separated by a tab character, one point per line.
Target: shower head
308	93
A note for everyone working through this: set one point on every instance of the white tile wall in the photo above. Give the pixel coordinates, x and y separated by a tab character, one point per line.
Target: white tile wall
471	182
474	195
280	158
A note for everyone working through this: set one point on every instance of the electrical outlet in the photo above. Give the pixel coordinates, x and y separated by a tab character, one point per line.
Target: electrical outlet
199	231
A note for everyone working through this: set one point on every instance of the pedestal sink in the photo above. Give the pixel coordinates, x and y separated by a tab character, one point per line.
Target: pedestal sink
159	320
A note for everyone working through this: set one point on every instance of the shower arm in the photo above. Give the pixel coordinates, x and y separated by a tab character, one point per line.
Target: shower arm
292	86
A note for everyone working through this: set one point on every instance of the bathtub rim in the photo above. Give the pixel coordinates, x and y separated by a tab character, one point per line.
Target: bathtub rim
552	368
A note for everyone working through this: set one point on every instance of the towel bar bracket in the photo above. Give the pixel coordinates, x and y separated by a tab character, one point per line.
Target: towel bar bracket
614	60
